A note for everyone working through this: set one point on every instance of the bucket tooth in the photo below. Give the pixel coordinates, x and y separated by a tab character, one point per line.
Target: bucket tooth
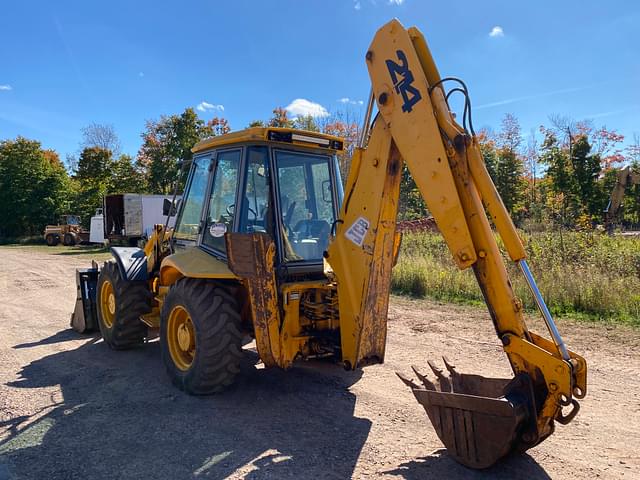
477	418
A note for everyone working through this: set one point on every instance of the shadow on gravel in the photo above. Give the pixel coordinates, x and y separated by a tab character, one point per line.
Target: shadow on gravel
441	465
61	336
122	418
80	250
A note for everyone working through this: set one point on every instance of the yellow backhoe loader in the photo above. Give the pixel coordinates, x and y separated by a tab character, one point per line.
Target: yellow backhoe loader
267	244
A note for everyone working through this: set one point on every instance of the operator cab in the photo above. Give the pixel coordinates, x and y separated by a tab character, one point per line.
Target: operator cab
70	220
283	182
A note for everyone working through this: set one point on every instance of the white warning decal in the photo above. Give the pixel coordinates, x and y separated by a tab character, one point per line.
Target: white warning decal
358	231
217	229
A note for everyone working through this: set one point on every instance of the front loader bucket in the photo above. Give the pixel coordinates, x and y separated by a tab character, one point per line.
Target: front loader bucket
479	420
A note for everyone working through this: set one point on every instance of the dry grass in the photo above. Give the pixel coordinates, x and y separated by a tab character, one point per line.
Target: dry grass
586	275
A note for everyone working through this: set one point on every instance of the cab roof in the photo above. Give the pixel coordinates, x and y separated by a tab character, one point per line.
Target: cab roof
273	135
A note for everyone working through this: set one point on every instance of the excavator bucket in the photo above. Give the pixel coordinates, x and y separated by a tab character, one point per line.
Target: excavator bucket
478	419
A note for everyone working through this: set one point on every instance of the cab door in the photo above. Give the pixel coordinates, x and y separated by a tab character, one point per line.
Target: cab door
189	222
222	202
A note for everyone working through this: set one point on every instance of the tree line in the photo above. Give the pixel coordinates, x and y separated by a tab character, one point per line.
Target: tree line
36	187
565	180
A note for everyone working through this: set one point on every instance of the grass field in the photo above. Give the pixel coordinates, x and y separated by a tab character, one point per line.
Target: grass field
582	275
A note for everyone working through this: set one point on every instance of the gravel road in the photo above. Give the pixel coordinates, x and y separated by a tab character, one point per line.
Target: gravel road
70	408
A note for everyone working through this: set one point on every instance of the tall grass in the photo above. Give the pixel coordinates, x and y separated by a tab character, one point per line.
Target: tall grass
580	274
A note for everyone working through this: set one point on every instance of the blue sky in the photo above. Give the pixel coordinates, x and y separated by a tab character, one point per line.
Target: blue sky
64	65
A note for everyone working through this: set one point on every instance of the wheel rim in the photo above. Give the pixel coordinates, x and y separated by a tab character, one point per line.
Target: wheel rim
107	303
181	338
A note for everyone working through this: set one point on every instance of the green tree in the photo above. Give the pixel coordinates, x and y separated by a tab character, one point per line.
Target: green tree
586	170
94	178
508	168
167	145
34	187
488	150
125	177
560	175
306	122
412	205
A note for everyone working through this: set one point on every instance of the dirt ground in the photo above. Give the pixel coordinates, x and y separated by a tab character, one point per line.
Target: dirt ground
70	408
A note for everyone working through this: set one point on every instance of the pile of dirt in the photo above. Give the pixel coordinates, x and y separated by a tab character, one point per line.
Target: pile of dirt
426	224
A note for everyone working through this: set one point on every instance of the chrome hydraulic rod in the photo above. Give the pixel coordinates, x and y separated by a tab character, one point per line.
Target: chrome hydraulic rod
542	306
366	125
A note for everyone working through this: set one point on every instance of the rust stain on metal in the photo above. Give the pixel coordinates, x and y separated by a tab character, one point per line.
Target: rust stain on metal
251	257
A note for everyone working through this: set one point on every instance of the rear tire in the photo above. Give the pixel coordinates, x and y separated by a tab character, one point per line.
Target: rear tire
200	336
120	304
69	240
52	240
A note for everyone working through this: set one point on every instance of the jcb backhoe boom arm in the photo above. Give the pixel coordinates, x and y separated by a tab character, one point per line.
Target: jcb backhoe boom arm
415	126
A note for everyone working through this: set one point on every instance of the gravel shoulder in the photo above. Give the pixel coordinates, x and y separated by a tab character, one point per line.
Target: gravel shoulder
71	408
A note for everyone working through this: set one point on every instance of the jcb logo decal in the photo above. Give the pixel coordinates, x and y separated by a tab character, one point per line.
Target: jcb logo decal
402	79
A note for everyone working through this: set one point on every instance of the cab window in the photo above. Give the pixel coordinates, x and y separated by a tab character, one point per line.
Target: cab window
222	201
306	203
256	213
188	225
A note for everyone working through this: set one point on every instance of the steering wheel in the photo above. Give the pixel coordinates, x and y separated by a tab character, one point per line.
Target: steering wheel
231	210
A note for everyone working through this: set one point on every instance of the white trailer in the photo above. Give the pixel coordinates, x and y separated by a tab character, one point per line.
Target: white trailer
130	217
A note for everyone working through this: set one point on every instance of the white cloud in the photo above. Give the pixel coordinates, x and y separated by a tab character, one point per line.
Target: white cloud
396	2
207	107
6	88
357	5
302	107
347	100
496	31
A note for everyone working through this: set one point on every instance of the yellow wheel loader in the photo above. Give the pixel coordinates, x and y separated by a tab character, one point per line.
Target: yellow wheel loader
68	230
268	245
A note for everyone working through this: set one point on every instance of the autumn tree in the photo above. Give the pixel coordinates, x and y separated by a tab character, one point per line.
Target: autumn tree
280	118
632	151
218	126
34	187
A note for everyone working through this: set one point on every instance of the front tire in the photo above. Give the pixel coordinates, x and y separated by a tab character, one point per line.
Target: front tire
200	336
52	240
120	305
